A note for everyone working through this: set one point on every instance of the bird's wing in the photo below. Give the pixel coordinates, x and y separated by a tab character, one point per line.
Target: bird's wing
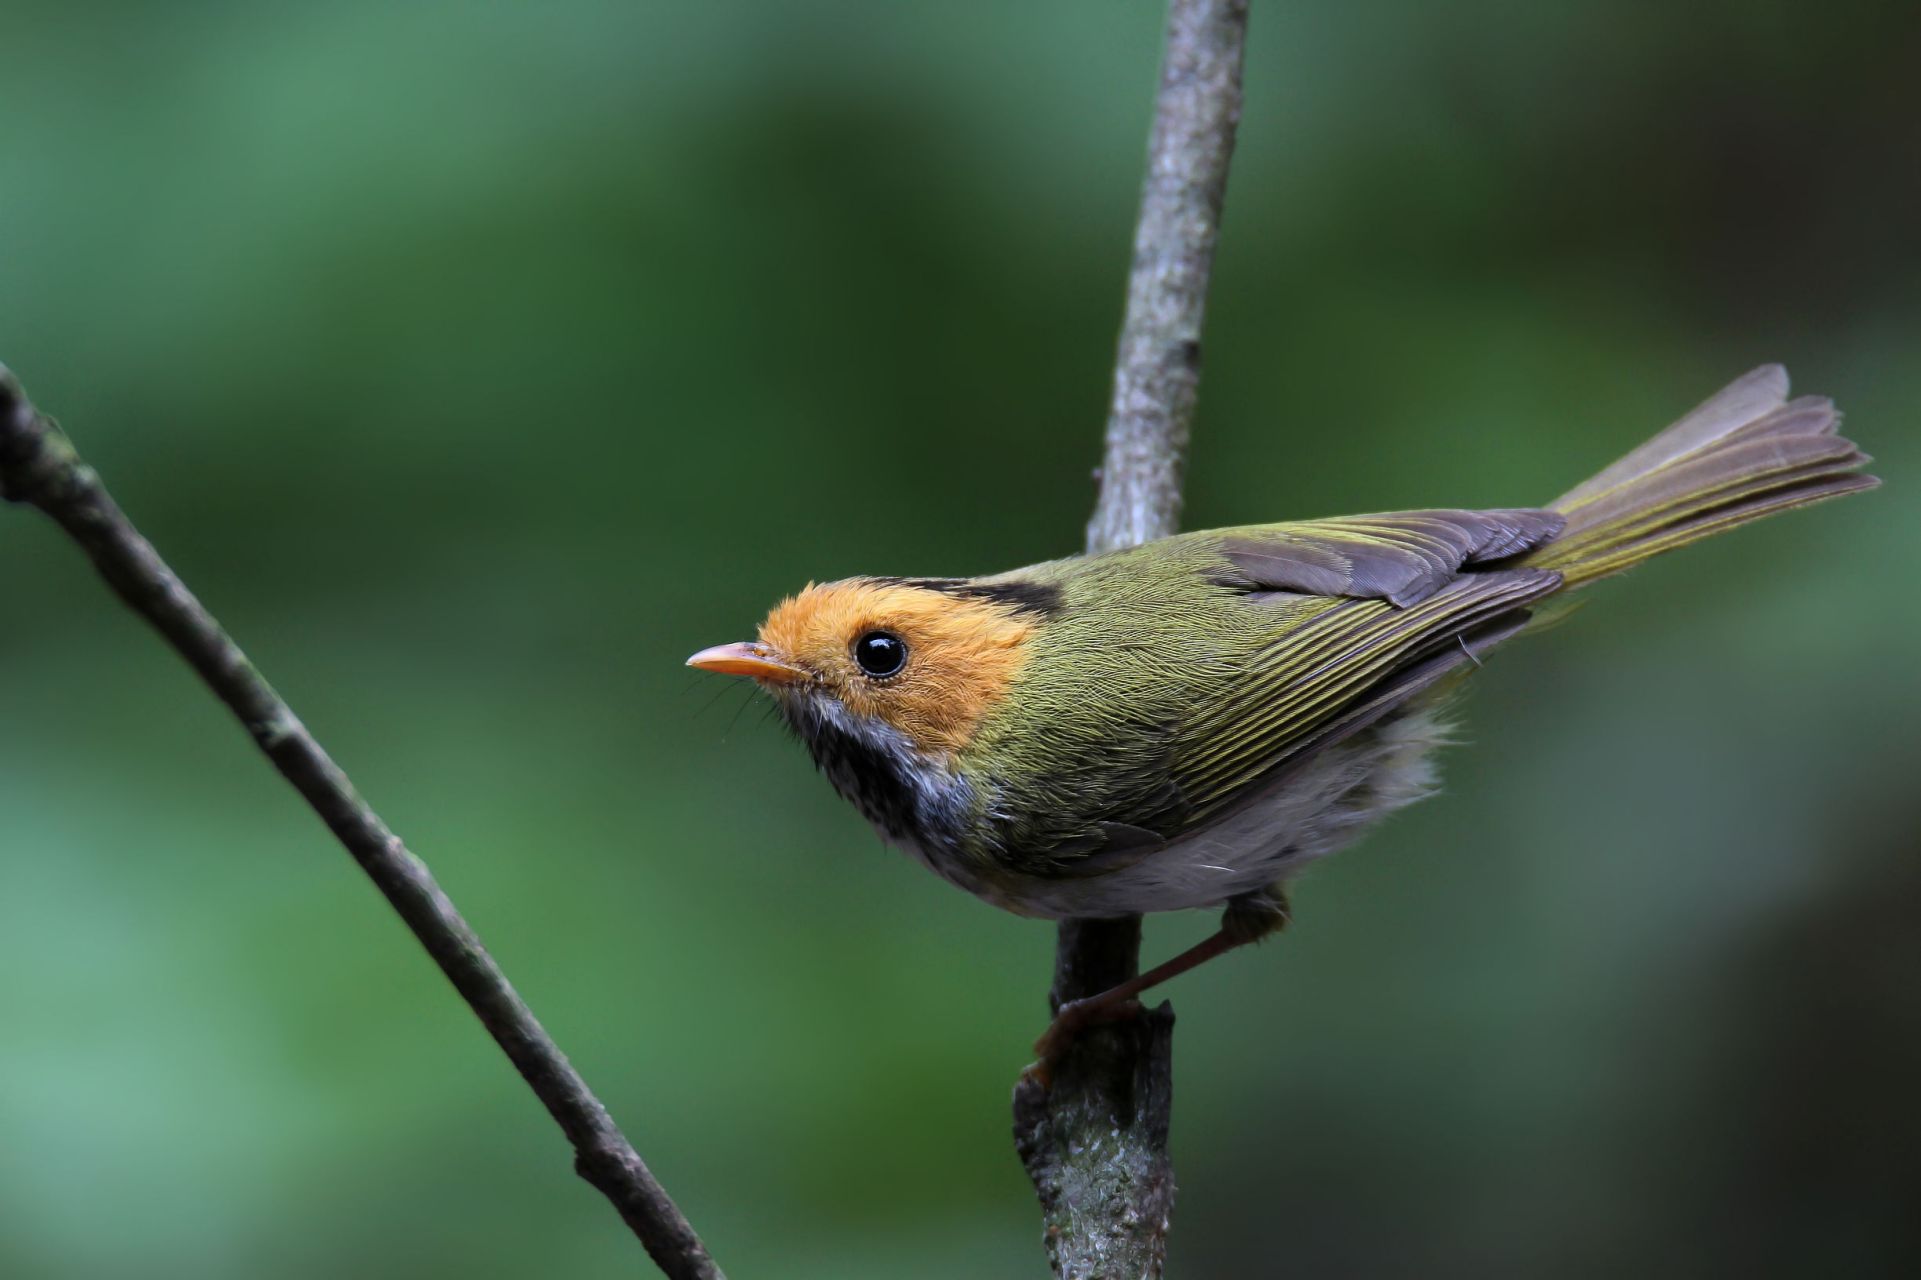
1395	602
1350	618
1341	670
1325	628
1402	557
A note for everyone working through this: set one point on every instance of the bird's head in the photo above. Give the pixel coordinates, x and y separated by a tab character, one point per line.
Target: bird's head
920	660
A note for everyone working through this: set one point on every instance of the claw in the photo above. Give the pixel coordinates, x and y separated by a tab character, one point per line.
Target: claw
1073	1018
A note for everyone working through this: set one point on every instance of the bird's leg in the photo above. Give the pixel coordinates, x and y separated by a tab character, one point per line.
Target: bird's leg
1248	918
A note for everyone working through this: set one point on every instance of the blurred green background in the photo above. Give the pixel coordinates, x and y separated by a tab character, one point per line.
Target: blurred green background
477	362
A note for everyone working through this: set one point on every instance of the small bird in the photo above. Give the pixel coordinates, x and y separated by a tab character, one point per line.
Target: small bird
1189	722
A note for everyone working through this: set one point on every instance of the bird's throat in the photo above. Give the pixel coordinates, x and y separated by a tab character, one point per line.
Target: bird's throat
913	801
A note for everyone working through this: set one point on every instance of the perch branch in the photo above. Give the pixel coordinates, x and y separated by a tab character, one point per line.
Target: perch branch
1094	1140
38	465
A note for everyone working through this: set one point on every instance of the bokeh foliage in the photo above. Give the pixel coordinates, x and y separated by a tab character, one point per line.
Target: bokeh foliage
476	362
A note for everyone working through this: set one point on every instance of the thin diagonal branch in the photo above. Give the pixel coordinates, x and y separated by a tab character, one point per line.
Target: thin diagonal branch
38	465
1094	1141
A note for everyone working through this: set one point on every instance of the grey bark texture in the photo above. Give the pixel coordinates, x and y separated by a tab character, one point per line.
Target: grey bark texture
1157	371
38	466
1093	1138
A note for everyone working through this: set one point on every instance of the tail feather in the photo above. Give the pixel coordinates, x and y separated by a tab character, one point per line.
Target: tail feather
1746	452
1751	396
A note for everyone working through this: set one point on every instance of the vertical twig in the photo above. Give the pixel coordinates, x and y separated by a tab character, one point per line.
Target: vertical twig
1095	1140
1157	370
38	465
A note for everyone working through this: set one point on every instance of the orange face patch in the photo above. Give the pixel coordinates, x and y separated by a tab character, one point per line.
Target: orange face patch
962	654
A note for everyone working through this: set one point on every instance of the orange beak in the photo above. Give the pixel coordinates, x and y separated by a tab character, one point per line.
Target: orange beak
747	659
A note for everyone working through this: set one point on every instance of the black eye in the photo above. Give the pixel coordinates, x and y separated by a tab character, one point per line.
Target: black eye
880	654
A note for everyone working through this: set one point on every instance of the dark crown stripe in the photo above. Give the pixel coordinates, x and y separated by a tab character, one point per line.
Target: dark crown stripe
1036	598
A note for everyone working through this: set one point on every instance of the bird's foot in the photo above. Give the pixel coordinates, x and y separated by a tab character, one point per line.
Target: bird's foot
1248	918
1070	1021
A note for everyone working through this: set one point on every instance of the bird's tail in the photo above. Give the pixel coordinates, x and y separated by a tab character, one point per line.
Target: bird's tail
1747	452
